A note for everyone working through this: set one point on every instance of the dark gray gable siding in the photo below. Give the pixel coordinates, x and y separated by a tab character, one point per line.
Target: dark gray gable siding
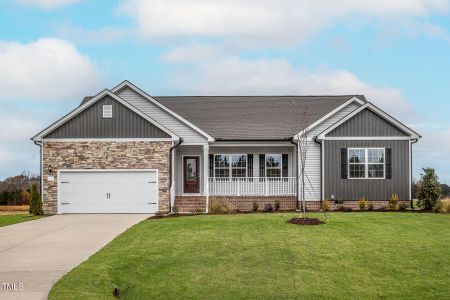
372	189
90	124
366	123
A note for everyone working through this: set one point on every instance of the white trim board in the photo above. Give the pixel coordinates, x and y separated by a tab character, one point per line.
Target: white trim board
380	113
328	115
126	83
367	138
89	103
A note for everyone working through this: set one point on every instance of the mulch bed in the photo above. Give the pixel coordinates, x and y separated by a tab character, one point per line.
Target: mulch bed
305	221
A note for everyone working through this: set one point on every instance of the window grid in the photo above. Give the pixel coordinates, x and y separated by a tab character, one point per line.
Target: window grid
230	165
366	163
273	165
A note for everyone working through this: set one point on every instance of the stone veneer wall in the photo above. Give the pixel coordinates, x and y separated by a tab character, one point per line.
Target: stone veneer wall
104	155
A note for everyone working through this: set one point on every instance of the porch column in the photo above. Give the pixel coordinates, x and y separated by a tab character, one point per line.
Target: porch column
206	175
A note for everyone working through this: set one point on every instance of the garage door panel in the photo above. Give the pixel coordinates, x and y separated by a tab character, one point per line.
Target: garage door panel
93	191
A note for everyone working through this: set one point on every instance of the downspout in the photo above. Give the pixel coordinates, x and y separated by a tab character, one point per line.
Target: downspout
296	172
411	169
321	162
41	179
170	169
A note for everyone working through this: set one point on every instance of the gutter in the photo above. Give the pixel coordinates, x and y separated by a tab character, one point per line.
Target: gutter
171	167
296	173
321	163
254	140
411	169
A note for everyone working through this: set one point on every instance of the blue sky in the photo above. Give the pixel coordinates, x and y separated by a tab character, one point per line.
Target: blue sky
53	52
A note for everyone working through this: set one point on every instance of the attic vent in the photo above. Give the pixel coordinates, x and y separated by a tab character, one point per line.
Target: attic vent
107	111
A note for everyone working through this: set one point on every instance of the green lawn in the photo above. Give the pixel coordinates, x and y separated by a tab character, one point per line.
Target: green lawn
16	218
354	256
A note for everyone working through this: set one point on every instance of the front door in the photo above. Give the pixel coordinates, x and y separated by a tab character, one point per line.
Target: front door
191	174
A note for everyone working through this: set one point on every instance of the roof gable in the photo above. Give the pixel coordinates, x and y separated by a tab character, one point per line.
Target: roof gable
90	124
369	122
105	94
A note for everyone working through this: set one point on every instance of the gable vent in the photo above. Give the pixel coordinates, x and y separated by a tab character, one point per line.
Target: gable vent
107	111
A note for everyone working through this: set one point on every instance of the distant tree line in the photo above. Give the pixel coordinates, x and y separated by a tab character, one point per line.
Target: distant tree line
16	190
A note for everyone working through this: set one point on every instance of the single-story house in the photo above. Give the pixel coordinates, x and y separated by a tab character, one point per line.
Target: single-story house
125	151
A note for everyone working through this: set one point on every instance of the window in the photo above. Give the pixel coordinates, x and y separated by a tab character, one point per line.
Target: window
107	111
273	165
230	165
366	163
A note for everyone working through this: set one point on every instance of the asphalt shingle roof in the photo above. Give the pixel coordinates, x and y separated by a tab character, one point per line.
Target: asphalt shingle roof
252	117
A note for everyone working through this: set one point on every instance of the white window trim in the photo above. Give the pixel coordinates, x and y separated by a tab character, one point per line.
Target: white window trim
281	165
366	163
230	167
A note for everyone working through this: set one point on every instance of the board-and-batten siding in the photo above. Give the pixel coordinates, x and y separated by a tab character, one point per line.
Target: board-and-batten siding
158	114
371	189
90	124
366	123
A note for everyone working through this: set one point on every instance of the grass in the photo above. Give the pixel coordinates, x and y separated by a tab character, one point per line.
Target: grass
355	256
10	219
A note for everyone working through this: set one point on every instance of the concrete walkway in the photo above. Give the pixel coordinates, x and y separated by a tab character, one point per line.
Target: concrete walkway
37	253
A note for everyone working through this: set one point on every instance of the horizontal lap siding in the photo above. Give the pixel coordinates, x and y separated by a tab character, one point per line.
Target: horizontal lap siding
333	119
372	189
161	116
124	124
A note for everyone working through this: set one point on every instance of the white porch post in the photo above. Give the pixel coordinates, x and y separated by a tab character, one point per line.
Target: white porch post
206	175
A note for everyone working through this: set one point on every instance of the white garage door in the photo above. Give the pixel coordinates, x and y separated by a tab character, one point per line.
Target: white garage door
108	191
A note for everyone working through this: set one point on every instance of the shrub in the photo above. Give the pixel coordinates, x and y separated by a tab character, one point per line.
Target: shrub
442	206
362	203
35	201
277	205
347	209
219	207
268	207
255	206
403	206
393	202
430	189
326	205
370	206
383	208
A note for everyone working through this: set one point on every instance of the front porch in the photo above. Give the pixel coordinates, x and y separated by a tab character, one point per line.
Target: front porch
239	174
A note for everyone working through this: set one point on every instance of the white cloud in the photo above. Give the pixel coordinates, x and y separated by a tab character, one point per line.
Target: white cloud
232	76
94	36
46	4
263	21
45	70
192	53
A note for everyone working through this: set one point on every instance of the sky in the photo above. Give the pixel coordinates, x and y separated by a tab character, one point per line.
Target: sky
54	52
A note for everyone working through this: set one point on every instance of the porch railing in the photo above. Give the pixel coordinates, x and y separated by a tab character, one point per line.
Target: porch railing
252	186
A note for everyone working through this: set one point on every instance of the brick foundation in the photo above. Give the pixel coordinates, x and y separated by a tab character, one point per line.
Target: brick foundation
190	204
245	203
104	155
354	205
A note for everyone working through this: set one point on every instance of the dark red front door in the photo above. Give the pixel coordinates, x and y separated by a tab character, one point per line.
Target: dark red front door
191	174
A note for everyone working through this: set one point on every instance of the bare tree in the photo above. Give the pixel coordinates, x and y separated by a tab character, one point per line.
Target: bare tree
303	146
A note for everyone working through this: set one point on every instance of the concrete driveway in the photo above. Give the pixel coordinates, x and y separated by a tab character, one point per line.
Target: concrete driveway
36	254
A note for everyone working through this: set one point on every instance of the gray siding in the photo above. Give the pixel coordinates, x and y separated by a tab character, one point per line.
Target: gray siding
333	119
372	189
161	116
366	123
91	124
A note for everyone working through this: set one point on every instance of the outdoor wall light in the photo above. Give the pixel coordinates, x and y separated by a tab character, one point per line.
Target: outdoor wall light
50	169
